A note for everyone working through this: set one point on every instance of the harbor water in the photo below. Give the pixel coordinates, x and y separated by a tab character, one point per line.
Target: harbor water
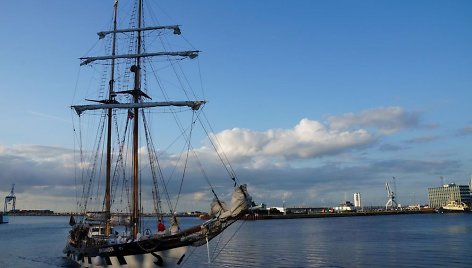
419	240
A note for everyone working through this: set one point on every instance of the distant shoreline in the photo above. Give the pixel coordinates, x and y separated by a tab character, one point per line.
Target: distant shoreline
75	214
255	216
334	214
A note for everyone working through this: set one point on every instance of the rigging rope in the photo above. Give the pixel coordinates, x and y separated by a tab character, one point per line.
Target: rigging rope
234	234
179	124
186	162
92	173
222	156
225	162
120	164
153	159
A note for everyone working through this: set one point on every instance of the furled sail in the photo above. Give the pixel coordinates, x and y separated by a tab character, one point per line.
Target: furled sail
195	105
191	54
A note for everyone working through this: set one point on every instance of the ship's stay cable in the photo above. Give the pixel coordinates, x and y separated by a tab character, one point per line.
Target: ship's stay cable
216	245
120	164
182	131
172	109
86	175
229	240
152	160
156	160
75	161
186	162
222	156
218	145
77	200
91	174
119	159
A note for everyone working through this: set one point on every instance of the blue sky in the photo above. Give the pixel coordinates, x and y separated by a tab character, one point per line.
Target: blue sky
322	97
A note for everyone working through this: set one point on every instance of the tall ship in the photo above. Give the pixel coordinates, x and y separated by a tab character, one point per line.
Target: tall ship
121	173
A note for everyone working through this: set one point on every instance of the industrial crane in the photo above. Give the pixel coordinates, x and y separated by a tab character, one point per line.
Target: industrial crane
391	196
11	198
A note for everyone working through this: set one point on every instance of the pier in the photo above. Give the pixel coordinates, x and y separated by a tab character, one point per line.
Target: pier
257	216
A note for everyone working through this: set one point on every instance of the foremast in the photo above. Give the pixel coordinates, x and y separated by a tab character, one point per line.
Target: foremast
111	99
136	105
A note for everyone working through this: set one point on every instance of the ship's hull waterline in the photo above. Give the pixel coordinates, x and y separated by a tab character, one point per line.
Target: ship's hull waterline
127	255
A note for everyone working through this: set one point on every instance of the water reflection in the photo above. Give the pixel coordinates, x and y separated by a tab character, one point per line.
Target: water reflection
381	241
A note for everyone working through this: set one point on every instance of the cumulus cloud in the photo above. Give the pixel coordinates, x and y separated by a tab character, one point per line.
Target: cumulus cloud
312	139
198	196
40	173
308	139
36	165
386	120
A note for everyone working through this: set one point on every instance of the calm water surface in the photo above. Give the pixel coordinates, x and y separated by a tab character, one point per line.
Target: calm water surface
432	240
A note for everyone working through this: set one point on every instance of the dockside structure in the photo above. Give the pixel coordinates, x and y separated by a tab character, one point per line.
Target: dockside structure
440	196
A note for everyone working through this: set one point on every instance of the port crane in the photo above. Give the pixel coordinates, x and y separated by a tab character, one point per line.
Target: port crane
391	202
11	198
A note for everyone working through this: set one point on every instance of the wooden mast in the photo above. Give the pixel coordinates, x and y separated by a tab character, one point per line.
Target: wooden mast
136	96
111	99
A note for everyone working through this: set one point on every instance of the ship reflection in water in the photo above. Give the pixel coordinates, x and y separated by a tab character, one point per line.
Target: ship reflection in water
417	240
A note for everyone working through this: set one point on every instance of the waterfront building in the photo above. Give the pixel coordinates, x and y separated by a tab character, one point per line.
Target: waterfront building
305	210
346	206
440	196
357	200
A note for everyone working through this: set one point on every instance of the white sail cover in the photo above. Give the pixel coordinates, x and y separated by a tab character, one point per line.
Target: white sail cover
217	207
240	201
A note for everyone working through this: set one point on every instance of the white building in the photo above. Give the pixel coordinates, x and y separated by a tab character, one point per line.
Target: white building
357	200
346	206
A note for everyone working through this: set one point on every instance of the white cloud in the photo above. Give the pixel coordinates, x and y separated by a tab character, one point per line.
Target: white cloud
308	139
34	165
38	153
199	196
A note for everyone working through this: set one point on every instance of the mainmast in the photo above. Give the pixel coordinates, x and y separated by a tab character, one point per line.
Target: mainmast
136	96
111	99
